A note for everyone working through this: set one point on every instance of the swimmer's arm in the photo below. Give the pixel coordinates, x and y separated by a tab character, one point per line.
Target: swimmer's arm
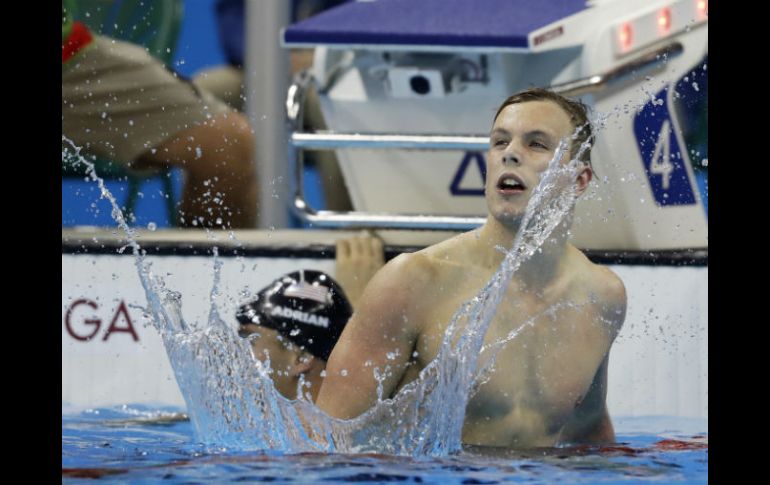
379	335
590	422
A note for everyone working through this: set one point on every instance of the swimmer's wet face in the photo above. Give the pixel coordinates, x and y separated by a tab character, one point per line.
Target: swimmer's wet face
268	344
524	138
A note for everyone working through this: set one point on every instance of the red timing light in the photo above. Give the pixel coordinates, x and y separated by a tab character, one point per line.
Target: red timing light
703	8
664	20
626	36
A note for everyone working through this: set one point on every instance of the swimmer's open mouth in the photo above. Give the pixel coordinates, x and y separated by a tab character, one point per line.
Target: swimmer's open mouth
509	184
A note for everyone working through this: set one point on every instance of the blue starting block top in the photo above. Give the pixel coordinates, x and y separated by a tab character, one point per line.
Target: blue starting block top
431	23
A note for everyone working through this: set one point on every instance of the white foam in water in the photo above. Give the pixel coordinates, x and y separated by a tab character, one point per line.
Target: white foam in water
233	403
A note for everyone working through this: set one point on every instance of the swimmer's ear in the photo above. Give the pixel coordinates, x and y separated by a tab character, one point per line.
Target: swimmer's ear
583	179
303	362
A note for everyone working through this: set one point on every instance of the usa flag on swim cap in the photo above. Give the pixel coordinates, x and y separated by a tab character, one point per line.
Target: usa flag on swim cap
307	291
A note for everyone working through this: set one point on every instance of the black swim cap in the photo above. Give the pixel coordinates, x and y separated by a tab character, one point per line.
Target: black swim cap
308	307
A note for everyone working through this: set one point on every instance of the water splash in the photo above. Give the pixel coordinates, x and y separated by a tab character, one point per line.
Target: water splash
233	403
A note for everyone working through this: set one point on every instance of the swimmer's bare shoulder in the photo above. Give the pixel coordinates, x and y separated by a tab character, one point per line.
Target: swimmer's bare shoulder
417	273
606	289
590	421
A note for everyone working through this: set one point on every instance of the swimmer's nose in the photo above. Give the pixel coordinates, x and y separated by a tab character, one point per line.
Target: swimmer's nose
510	158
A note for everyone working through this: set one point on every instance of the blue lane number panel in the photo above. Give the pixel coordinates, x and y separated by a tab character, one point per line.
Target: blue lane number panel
663	153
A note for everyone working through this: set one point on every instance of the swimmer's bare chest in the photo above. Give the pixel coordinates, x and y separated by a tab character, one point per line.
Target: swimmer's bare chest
541	372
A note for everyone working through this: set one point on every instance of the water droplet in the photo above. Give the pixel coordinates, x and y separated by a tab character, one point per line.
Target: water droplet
344	372
152	226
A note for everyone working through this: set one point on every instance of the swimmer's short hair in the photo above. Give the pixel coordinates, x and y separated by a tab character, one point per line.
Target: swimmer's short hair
576	110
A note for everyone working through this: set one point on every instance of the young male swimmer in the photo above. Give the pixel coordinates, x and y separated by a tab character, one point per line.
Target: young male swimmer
549	384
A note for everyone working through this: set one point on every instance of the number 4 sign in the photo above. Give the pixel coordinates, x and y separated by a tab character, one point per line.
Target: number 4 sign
663	152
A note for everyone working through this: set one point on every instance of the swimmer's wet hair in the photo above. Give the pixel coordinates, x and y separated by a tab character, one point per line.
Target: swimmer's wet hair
576	110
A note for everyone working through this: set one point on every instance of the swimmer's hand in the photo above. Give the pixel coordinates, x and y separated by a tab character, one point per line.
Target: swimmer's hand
358	259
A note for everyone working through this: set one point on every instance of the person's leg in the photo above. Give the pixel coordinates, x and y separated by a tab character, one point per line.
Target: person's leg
120	103
224	82
221	179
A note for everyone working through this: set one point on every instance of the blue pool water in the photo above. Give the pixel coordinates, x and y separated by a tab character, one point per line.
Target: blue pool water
137	444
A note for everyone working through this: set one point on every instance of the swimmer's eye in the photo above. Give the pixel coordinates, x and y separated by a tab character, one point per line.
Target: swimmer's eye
499	142
538	144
